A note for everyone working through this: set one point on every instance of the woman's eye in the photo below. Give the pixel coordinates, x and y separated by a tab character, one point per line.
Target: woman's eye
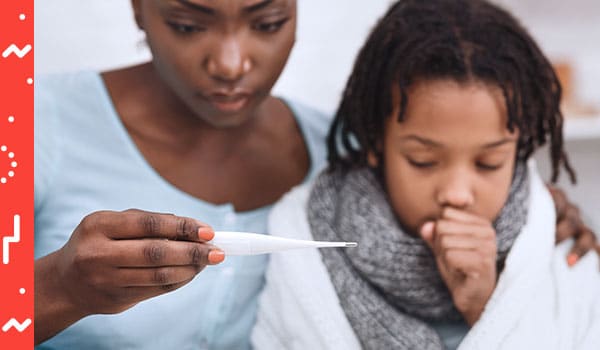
184	28
270	27
490	167
420	164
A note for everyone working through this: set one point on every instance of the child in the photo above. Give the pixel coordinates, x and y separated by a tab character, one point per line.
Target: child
429	174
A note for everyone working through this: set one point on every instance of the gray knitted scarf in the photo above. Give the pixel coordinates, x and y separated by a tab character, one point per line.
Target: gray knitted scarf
389	286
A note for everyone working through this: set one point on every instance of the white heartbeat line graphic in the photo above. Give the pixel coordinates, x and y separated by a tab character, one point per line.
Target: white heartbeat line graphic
14	49
18	326
15	238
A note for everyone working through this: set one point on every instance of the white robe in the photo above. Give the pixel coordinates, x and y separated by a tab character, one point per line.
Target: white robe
539	302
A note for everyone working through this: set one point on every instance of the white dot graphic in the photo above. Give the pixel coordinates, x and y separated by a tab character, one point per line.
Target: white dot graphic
22	17
11	118
13	164
22	291
29	81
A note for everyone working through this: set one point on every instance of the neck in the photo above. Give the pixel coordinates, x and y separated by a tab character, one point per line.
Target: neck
151	112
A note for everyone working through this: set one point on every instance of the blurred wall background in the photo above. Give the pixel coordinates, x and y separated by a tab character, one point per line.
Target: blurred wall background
74	34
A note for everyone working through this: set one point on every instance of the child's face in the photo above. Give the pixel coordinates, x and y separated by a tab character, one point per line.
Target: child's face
452	149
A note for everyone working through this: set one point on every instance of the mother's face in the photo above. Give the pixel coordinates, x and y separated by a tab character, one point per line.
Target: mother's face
221	57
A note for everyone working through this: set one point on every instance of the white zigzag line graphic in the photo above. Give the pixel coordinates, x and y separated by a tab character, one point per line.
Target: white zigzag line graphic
15	238
14	49
18	326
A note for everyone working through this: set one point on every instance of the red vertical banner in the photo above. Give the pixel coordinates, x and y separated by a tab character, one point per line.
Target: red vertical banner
16	174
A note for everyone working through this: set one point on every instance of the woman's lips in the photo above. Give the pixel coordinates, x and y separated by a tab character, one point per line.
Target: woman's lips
229	102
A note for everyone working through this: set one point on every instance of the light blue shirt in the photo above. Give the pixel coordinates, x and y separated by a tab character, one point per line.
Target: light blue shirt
86	161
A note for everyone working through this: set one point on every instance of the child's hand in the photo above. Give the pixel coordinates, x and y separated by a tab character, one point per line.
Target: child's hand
464	246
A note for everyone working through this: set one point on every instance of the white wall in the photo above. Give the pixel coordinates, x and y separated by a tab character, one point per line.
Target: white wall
100	34
75	34
566	30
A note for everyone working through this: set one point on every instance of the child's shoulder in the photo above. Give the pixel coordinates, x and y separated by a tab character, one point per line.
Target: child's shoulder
288	216
296	198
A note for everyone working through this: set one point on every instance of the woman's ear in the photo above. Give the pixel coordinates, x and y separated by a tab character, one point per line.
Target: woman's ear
136	6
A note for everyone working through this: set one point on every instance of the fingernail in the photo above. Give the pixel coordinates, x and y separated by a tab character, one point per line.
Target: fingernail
206	234
572	259
216	256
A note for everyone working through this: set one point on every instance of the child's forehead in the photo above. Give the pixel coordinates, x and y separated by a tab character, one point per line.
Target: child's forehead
431	96
448	109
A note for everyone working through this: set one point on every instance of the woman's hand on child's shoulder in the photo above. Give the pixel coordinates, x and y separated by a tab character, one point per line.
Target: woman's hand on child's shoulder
464	246
569	224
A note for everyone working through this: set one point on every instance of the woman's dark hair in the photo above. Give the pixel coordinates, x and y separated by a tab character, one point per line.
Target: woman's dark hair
460	40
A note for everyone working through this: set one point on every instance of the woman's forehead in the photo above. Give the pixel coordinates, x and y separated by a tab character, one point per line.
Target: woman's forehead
214	6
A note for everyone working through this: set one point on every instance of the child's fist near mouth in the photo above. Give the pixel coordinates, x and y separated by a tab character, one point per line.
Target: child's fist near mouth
464	246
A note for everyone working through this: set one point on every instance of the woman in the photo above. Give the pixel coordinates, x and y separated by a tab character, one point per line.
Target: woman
194	132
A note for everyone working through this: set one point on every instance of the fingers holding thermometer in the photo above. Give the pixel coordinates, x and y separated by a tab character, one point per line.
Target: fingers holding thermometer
115	259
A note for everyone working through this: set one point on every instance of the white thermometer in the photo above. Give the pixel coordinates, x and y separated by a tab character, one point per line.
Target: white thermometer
246	243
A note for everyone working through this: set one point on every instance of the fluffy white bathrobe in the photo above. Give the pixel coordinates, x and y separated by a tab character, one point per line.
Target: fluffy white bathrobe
539	302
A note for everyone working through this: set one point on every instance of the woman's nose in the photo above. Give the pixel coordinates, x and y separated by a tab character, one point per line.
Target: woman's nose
456	191
228	62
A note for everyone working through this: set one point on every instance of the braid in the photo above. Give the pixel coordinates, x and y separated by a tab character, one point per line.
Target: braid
461	40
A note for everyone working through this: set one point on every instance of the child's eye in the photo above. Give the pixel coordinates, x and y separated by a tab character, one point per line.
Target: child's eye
269	27
185	28
488	167
419	164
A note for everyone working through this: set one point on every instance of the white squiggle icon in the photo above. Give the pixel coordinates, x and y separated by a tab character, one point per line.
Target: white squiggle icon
15	238
15	49
18	325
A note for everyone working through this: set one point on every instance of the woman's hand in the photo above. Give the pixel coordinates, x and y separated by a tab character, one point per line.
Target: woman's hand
464	246
570	225
114	260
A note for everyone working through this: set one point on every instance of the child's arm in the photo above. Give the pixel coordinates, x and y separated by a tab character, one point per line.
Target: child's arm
464	246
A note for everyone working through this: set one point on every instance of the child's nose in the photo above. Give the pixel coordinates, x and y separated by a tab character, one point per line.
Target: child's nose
456	191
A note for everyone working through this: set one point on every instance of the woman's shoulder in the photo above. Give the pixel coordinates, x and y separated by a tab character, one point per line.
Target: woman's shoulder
314	125
71	99
312	116
64	91
66	81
